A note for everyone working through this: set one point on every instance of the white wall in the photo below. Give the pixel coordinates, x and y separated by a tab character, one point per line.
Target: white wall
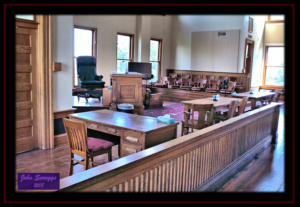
63	52
184	25
213	52
270	38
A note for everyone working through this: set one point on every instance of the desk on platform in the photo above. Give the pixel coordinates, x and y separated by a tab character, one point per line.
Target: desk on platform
136	132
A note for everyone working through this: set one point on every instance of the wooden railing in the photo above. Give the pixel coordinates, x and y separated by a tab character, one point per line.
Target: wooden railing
192	162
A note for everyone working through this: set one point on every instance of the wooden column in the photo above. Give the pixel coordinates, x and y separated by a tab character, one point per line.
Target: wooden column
44	86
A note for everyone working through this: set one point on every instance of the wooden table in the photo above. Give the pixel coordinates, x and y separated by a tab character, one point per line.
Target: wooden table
255	96
218	105
136	132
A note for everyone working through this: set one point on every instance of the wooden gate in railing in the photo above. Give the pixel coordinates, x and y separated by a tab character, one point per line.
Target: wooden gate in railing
186	163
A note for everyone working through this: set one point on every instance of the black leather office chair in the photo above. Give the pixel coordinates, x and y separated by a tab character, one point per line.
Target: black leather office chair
88	78
86	69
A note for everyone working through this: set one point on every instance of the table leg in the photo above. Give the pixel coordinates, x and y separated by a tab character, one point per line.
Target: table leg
185	122
253	104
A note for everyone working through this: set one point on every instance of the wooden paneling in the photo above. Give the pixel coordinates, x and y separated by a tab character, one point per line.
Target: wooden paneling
26	40
183	164
127	88
25	144
24	132
24	115
169	94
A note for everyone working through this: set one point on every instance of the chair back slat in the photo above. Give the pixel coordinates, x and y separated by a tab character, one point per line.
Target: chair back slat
232	108
76	132
231	85
205	115
243	105
276	97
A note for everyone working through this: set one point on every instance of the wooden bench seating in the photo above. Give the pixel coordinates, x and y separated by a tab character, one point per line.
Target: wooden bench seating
186	79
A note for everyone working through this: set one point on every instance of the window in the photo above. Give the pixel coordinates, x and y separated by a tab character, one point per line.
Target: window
274	66
275	18
124	52
84	45
26	17
155	58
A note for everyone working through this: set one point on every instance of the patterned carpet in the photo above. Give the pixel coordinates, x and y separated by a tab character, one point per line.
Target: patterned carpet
175	111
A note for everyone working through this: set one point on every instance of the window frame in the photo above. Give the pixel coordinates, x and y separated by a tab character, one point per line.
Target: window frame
159	56
131	48
265	69
94	46
269	21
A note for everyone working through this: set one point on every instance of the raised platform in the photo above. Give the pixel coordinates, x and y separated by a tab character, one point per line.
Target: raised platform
177	95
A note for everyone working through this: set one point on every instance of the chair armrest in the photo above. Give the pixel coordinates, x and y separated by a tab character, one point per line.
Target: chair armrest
99	77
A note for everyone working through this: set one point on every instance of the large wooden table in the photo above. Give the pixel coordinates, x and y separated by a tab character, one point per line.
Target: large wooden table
136	132
255	96
218	105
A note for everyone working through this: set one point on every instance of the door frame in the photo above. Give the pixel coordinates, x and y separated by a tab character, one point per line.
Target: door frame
44	80
248	42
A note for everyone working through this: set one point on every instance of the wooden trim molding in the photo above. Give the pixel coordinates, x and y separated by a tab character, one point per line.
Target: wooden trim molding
131	52
45	82
159	56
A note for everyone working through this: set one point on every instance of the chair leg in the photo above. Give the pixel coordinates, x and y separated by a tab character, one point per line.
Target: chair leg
71	164
86	162
92	158
109	155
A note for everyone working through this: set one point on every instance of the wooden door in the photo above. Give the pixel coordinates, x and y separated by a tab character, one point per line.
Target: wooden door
26	57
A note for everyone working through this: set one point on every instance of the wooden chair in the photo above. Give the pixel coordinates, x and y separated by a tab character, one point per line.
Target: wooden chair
200	86
230	88
172	80
83	146
162	83
222	80
243	104
276	97
196	80
205	117
213	86
227	115
185	81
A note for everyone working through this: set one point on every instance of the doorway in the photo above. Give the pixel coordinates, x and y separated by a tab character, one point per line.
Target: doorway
248	55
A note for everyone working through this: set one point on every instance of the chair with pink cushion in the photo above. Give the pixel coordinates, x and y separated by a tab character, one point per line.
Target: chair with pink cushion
83	146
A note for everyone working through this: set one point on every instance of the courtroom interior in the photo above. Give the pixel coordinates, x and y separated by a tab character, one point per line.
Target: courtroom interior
152	103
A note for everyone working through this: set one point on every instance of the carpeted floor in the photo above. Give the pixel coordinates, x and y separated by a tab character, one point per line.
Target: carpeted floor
175	111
